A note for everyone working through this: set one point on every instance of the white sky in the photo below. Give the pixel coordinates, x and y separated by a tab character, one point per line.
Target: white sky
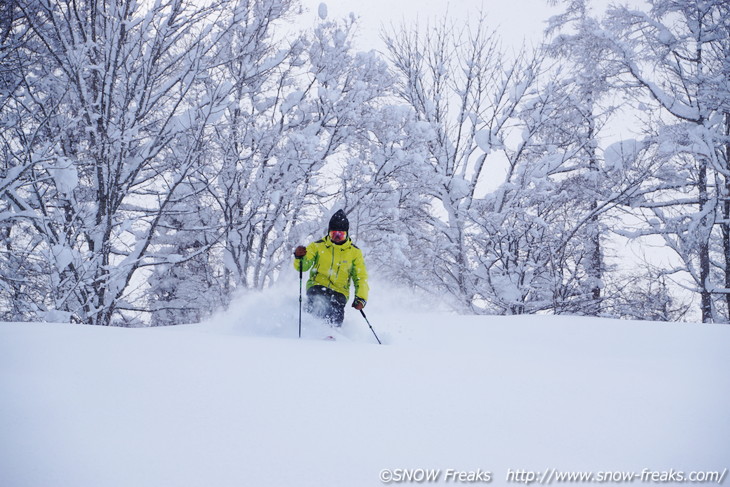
516	20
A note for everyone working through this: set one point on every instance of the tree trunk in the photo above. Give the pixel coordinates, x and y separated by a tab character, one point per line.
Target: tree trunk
726	217
704	248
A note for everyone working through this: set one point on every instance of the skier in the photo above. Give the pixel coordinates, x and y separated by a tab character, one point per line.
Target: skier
334	262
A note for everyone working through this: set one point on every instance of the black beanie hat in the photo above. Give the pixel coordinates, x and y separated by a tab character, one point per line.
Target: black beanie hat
339	222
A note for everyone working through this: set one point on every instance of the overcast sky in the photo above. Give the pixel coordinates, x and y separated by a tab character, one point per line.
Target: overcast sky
515	20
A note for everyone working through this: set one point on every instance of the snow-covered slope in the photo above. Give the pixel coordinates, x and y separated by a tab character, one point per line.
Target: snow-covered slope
240	401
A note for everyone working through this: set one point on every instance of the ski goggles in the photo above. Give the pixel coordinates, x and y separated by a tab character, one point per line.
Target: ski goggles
338	235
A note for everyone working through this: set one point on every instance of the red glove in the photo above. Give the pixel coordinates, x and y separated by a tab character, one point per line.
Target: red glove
358	303
300	252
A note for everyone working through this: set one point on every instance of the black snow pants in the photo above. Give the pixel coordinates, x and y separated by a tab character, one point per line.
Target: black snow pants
326	304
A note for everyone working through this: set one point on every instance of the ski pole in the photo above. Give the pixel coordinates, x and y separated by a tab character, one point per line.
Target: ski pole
300	298
371	327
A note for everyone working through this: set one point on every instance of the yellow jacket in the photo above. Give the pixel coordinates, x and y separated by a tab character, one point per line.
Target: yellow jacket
333	266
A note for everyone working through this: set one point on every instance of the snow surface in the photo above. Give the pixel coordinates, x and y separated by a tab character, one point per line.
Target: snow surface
240	401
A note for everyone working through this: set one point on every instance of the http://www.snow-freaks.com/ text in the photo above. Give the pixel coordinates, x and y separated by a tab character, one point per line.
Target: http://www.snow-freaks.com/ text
549	476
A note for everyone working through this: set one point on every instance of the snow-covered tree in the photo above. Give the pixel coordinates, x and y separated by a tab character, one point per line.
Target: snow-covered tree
21	275
297	110
576	127
676	53
647	295
511	170
185	287
537	238
387	200
465	92
108	96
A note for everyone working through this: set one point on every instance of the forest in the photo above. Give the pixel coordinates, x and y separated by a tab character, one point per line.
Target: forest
158	158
